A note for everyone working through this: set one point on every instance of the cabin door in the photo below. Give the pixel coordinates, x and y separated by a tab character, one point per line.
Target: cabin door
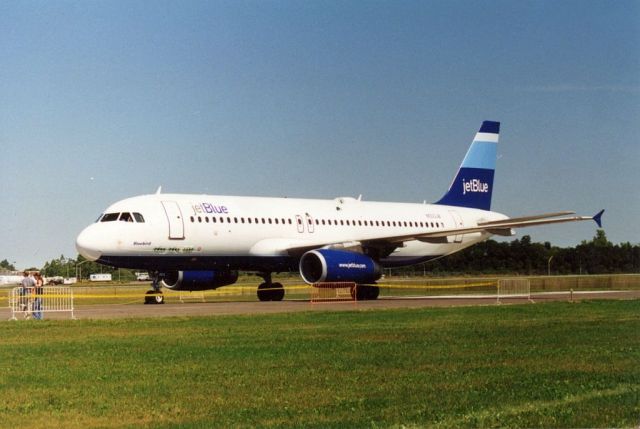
309	222
174	217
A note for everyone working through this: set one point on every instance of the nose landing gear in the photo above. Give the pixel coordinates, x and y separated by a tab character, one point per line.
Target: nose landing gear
154	296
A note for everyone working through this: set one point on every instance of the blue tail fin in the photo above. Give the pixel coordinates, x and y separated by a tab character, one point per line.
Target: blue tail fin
473	184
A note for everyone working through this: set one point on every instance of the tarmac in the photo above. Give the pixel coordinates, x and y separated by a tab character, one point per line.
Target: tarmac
130	311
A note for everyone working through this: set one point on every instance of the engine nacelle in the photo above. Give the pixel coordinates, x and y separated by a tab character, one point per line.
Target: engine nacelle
198	280
328	265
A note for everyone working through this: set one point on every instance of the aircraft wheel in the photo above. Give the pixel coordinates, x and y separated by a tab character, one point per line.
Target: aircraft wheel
270	292
277	294
365	292
149	297
152	298
159	299
374	292
264	292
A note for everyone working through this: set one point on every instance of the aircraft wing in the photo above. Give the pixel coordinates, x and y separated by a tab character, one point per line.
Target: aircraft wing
389	243
502	227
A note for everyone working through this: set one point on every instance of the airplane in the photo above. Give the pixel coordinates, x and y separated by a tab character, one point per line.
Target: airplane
200	242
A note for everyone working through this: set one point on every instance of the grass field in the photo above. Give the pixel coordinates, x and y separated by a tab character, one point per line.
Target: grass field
544	365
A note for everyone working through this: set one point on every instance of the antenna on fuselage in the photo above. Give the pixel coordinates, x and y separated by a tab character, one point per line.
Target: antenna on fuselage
159	191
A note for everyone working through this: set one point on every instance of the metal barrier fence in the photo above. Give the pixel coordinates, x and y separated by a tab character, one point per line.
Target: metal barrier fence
513	288
31	304
333	291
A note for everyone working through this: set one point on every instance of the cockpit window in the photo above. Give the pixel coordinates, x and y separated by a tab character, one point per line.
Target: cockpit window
110	217
126	217
139	217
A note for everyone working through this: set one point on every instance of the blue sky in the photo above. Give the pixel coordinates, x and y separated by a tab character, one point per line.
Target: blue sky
105	100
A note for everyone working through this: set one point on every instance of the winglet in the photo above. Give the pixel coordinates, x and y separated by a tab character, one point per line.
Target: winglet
598	218
159	191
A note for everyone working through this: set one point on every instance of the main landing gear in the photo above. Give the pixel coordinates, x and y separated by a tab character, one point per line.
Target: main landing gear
269	291
154	296
365	292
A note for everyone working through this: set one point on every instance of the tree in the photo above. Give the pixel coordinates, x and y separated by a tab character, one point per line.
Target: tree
6	266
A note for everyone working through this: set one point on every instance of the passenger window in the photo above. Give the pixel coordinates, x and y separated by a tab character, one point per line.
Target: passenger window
214	219
221	220
249	219
199	219
276	221
242	220
192	219
206	219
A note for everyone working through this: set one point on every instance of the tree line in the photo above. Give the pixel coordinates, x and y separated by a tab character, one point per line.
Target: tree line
521	256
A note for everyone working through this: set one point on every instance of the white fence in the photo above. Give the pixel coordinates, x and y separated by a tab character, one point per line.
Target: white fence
27	303
514	288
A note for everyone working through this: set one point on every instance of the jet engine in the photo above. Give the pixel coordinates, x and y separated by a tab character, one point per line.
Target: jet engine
198	280
329	265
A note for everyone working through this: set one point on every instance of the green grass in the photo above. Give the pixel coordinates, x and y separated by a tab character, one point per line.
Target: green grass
543	365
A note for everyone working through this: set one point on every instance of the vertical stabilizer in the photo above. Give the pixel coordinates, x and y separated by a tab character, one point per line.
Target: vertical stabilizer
473	184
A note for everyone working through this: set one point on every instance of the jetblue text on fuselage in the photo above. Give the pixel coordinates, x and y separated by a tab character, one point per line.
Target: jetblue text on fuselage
474	185
209	208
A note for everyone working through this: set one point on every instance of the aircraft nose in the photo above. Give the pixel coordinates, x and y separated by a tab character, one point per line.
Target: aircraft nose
88	244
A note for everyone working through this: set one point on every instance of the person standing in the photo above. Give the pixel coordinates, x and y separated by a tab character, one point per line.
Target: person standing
37	302
27	283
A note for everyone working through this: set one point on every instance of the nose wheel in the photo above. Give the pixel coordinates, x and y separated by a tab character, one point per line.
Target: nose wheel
154	296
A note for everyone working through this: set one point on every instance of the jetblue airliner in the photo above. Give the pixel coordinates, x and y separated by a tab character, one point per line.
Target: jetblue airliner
200	242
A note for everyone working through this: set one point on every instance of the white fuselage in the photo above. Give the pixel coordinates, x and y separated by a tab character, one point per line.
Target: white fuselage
182	231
